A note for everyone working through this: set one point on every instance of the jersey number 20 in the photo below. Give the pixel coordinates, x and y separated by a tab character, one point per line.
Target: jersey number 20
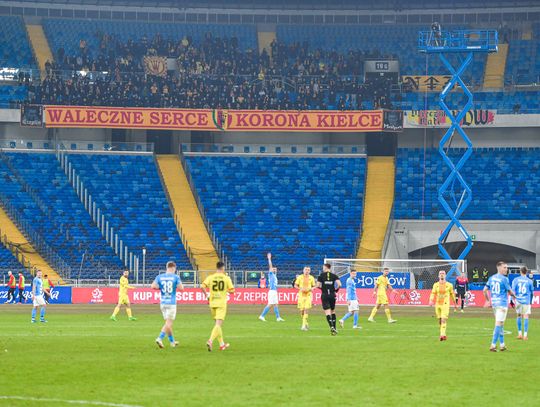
218	285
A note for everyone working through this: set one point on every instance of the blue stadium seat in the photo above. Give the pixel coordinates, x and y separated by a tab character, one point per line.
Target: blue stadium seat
129	191
504	182
302	209
55	212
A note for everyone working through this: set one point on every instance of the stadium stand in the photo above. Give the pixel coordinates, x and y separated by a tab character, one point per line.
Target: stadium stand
375	41
9	262
523	64
503	102
128	190
70	34
36	186
301	209
504	181
15	50
12	96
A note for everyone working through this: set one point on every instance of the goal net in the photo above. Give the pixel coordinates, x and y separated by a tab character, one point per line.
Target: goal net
403	274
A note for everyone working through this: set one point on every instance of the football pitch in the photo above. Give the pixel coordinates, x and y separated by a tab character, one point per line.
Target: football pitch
80	357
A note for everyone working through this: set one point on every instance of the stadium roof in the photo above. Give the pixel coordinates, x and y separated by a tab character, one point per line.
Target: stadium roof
392	5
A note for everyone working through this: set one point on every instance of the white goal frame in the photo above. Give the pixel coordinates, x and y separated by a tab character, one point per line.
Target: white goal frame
425	270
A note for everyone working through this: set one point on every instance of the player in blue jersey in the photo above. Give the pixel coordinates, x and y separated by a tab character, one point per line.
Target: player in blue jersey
168	283
273	299
38	298
523	287
498	286
352	301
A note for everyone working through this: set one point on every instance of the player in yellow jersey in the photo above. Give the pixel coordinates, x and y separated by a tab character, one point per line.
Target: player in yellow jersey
123	298
216	287
440	297
305	284
382	284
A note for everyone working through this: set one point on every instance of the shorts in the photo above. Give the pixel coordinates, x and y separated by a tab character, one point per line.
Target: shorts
442	311
523	309
273	297
353	305
218	312
500	313
168	311
328	303
382	299
123	300
39	301
460	294
304	302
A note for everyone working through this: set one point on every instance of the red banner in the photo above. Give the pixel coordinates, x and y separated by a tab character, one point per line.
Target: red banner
247	296
217	119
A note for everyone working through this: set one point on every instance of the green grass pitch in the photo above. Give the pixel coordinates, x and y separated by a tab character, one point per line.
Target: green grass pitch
81	356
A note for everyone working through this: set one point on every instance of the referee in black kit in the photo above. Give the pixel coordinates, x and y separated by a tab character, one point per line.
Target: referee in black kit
327	283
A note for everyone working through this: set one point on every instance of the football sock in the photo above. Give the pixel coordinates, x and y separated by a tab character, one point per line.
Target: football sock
329	320
525	326
495	335
355	319
42	314
443	328
346	316
161	335
128	312
220	336
214	333
305	319
34	313
519	325
265	311
501	335
171	338
388	315
276	311
373	312
116	311
462	303
334	321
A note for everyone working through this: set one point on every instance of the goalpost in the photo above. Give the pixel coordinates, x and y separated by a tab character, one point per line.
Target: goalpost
406	274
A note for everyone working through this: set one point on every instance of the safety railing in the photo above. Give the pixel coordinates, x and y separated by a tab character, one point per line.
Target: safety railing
271	149
99	217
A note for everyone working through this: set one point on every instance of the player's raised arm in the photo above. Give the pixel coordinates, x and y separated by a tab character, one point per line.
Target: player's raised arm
270	265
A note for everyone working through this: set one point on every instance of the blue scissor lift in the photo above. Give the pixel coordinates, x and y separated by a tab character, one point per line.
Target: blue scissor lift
464	43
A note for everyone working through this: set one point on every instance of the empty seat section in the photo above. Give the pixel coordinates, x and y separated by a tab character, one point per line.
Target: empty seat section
504	184
128	190
301	209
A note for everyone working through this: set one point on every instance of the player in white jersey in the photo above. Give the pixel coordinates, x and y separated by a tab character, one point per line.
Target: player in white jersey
523	287
273	298
38	298
168	283
498	286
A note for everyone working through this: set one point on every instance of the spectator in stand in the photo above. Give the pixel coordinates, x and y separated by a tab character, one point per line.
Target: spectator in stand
213	74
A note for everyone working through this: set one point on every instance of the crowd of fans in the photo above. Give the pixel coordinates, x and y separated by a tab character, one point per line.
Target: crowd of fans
217	73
